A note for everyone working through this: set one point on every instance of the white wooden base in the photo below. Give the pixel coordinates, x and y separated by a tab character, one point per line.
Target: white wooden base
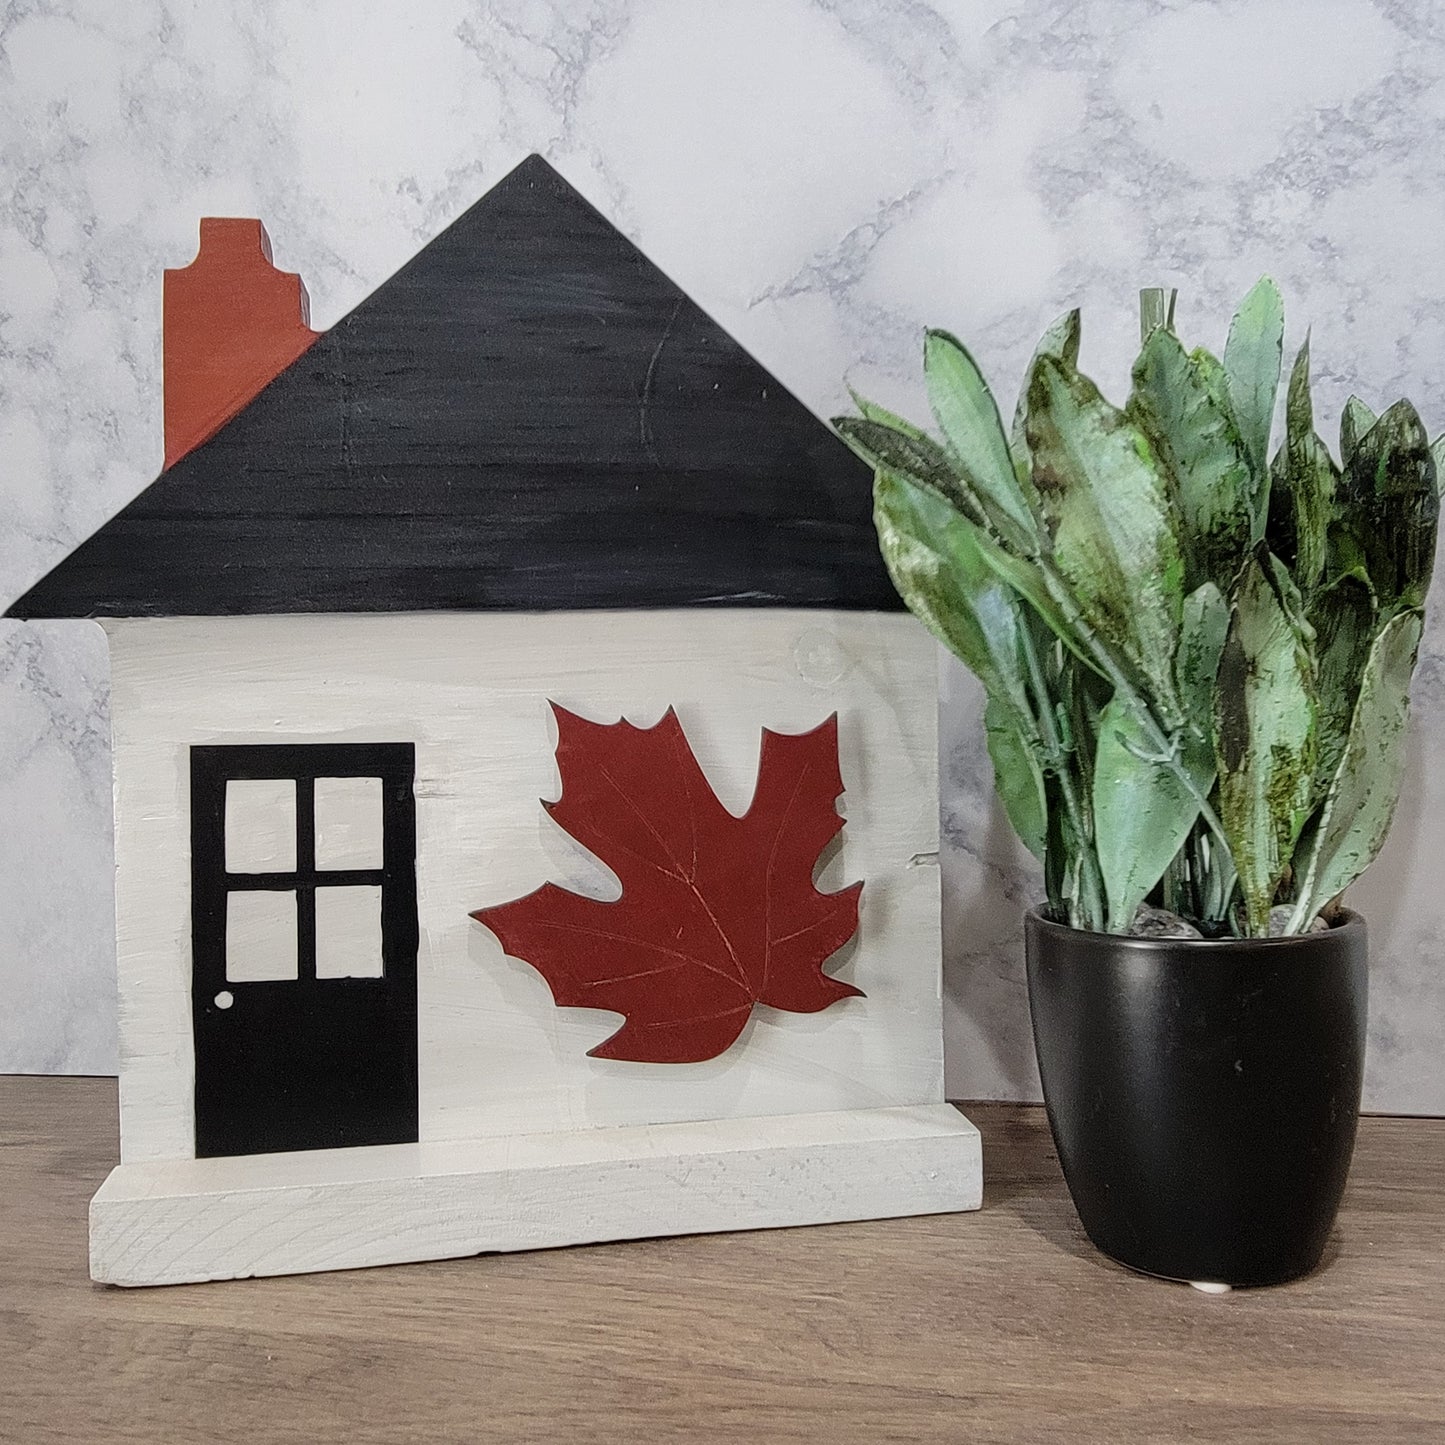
203	1219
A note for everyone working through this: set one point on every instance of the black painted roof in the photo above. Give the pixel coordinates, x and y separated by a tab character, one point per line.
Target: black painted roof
529	415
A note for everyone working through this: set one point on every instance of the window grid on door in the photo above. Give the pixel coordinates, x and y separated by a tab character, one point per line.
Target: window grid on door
326	1056
215	768
306	879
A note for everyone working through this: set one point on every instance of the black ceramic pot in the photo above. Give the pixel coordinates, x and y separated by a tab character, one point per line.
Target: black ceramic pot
1203	1095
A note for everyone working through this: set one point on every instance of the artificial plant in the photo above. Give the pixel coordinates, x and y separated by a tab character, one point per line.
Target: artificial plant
1196	654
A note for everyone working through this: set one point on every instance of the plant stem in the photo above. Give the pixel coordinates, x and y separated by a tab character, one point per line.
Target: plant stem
1060	764
1175	882
1221	878
1302	912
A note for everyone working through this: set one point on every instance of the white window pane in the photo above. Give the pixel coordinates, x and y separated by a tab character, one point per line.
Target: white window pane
348	823
261	825
348	932
260	936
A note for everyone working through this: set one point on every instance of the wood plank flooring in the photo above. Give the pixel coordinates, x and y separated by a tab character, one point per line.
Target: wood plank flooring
1003	1325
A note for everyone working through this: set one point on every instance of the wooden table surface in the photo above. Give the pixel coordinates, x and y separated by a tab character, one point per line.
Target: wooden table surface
1003	1325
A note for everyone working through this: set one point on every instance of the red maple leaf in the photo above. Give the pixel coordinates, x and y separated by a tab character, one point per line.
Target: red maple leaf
717	912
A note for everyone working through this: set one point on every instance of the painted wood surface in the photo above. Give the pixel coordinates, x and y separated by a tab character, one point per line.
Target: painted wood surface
208	1219
232	323
311	1043
472	693
999	1326
718	913
529	415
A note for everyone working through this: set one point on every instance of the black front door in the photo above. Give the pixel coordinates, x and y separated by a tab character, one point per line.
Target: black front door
304	943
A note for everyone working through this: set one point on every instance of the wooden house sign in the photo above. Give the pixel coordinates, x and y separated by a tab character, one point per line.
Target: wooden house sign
525	782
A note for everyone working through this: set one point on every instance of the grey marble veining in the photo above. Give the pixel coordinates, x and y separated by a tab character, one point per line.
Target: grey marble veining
825	177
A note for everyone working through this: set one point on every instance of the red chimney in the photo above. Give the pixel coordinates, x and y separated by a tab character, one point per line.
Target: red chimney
232	322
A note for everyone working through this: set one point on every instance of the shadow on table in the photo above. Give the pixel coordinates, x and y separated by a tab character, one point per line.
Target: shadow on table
1022	1178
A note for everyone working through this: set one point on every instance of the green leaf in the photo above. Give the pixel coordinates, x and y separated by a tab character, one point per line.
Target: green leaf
1360	803
946	569
1344	557
1082	697
909	454
1060	340
1264	728
1303	481
1437	454
1017	776
974	439
1107	507
1201	640
935	558
1253	356
1180	402
872	411
1156	309
1022	575
1142	813
1343	616
1030	583
1355	420
1389	504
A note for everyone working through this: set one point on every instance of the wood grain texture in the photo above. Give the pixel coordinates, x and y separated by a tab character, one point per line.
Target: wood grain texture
471	692
220	1219
529	415
1000	1326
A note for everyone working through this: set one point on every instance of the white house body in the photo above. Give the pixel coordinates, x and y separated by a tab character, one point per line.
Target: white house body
336	648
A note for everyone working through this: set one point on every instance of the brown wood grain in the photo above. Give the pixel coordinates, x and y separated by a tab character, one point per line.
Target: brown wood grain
998	1326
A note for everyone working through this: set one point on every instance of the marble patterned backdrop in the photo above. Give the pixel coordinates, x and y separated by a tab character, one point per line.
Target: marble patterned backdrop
825	177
